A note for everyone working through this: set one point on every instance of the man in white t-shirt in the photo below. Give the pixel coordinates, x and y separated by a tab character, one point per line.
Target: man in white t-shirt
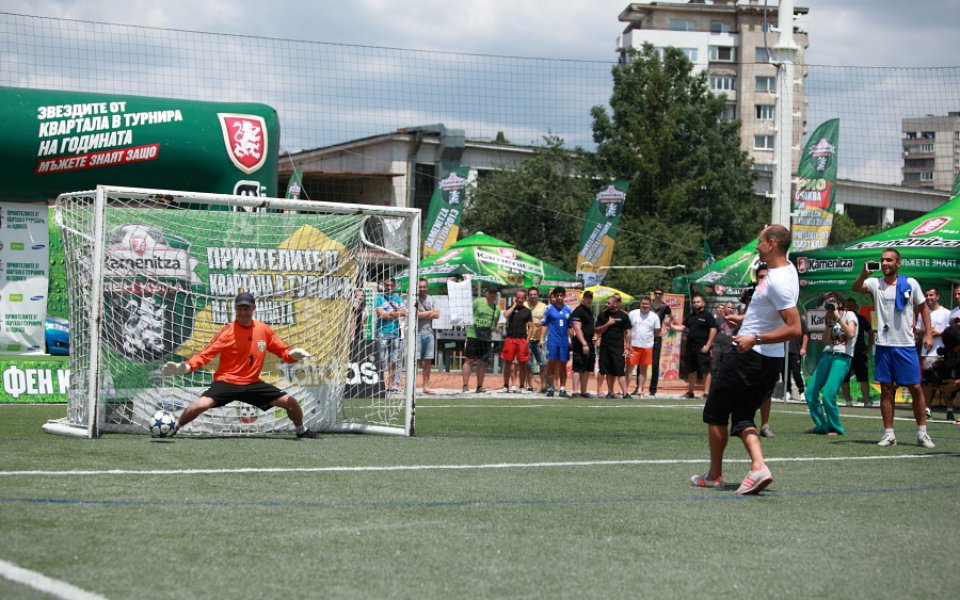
955	313
939	320
896	362
645	327
745	376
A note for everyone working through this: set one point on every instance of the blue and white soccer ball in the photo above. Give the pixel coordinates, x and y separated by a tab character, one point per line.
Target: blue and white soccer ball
162	424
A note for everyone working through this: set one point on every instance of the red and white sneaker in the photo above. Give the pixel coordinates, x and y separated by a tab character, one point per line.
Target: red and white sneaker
702	481
754	482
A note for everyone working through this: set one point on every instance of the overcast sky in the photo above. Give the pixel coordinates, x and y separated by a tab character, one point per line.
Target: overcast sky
842	32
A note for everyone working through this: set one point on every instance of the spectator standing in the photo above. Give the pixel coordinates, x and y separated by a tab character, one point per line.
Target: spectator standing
390	309
701	328
858	366
613	326
796	351
939	320
538	359
427	311
557	321
896	360
666	321
486	313
582	347
515	346
839	339
955	313
747	374
645	328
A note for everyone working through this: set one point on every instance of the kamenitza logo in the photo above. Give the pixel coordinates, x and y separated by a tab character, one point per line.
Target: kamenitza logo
806	264
929	226
246	139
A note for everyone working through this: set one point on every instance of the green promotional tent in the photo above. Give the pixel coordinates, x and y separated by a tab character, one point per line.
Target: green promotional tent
484	258
724	279
929	245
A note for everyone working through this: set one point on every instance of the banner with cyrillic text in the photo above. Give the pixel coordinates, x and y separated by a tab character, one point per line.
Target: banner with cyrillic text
600	232
442	225
814	188
24	268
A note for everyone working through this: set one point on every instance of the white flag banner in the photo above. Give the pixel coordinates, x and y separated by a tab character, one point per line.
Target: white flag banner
24	270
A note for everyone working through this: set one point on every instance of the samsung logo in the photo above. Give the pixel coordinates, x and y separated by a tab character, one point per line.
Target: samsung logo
36	298
38	246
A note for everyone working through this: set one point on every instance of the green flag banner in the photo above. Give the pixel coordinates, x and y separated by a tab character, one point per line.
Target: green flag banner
814	188
295	185
442	225
600	232
58	141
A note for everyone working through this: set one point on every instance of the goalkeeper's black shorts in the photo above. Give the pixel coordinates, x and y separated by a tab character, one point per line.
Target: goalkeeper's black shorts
259	394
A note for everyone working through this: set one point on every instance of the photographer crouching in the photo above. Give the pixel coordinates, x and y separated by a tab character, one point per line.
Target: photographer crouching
944	373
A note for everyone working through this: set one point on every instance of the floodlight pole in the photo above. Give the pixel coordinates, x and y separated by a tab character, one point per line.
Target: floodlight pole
785	52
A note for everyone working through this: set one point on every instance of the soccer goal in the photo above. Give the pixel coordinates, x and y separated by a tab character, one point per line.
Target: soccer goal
152	275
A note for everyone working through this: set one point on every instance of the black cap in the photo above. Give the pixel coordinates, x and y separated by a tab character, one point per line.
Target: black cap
244	299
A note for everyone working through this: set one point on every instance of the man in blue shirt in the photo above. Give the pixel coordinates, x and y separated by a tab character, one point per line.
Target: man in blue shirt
390	310
557	320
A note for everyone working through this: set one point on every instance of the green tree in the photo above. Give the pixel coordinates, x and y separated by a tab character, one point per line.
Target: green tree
689	179
538	206
845	230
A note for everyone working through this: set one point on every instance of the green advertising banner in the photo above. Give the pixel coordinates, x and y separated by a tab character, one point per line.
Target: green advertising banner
600	232
442	225
295	185
60	141
29	379
929	245
814	188
724	279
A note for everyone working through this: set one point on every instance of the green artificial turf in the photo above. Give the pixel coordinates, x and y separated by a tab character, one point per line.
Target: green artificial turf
541	498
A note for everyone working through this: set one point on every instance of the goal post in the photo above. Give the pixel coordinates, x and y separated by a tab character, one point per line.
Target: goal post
152	275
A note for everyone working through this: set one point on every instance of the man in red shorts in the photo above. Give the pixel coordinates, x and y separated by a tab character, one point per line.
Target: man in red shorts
242	346
515	346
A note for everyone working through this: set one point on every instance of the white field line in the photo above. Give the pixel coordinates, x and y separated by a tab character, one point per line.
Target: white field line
42	583
462	467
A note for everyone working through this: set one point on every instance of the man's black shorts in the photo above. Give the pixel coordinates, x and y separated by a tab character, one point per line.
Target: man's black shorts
740	384
612	361
583	363
259	394
477	349
858	367
696	361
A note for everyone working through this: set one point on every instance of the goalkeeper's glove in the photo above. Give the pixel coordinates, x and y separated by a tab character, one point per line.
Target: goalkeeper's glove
299	354
170	368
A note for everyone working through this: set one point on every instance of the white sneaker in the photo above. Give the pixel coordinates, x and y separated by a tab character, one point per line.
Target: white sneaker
924	440
888	439
513	390
803	397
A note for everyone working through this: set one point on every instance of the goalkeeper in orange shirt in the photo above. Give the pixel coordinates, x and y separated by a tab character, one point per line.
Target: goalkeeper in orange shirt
242	346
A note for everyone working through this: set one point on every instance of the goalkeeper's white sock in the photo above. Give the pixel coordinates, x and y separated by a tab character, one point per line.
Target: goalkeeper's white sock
921	430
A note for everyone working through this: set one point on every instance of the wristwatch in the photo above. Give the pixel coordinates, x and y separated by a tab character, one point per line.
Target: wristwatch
756	340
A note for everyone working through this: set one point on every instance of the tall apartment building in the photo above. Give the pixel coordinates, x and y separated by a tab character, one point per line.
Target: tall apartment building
733	42
931	151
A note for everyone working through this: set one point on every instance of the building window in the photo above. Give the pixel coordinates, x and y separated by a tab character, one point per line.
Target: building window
690	53
766	84
682	25
765	112
723	53
763	55
763	142
719	27
926	176
910	135
923	148
928	135
723	83
729	112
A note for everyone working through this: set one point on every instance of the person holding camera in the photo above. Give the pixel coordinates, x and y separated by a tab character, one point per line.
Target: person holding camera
896	361
940	320
839	339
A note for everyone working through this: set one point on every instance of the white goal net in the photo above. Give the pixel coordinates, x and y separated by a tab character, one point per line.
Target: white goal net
152	275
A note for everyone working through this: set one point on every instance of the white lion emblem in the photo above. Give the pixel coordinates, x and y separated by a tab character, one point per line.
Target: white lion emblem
247	139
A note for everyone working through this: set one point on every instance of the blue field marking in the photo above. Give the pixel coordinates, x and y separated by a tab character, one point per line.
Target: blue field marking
708	496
